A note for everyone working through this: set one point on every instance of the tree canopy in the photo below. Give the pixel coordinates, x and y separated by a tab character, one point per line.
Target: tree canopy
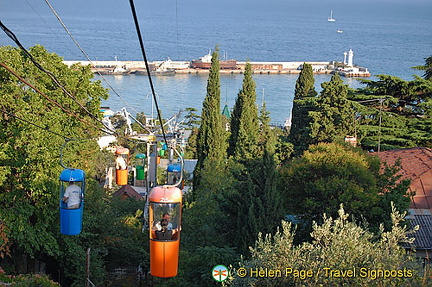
329	174
30	155
393	113
341	253
211	139
243	141
304	99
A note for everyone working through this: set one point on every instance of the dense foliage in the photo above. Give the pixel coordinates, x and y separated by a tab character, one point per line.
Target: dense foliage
29	171
342	253
211	138
30	154
238	193
394	113
243	141
330	174
304	97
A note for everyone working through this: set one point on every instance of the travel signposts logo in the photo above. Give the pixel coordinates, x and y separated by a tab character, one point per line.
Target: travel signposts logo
220	273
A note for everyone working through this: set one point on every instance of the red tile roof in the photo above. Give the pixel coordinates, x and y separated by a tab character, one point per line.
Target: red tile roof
416	165
127	191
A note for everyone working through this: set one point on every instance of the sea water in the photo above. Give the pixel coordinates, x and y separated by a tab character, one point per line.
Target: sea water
387	37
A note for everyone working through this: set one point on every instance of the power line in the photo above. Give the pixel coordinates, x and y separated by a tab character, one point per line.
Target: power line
147	65
11	35
85	54
67	139
46	97
29	122
48	26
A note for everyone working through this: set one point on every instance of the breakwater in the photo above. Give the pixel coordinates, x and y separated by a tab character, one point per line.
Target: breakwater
169	67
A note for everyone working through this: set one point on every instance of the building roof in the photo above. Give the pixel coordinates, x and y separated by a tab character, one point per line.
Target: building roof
423	237
416	164
226	112
127	191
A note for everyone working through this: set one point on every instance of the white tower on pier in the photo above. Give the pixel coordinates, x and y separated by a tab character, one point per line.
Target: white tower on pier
350	58
345	54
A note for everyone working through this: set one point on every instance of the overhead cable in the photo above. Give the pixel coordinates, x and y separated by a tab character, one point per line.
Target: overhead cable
46	97
51	75
147	66
29	122
85	54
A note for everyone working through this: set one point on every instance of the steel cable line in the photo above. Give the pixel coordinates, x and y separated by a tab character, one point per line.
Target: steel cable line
67	139
147	66
47	25
11	35
46	97
85	54
29	122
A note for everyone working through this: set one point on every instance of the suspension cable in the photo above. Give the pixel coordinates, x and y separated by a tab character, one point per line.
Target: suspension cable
29	122
46	97
85	54
67	139
147	65
11	35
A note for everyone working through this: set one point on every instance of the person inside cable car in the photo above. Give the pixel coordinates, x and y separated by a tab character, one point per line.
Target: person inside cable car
120	162
72	196
158	225
164	233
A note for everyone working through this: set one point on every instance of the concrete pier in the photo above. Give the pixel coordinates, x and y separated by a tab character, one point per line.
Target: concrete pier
183	67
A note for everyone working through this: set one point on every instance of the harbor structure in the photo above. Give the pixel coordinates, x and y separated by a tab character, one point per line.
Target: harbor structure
348	69
169	67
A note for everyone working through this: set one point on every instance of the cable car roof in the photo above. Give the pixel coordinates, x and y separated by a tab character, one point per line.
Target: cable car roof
174	168
72	174
122	150
140	155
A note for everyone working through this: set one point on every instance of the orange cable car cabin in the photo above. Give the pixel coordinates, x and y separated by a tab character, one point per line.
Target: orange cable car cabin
165	205
122	157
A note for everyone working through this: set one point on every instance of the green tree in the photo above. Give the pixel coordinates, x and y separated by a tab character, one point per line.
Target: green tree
192	120
304	99
333	118
427	68
338	245
267	136
211	141
30	154
403	97
252	148
330	174
191	150
394	113
243	141
305	83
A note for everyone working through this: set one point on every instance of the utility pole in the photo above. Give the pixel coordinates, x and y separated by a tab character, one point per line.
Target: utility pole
88	268
380	121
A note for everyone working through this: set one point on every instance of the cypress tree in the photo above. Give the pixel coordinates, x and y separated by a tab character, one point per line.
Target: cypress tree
211	135
267	137
304	97
252	146
333	118
305	83
243	142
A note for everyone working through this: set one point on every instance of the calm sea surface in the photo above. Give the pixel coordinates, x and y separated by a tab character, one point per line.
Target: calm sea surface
387	37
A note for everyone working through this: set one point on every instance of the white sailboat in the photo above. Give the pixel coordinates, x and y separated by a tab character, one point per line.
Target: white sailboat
331	19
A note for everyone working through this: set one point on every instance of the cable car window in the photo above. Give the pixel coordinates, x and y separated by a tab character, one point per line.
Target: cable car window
164	221
71	194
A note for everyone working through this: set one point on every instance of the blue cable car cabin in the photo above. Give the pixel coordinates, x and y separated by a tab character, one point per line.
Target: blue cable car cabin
72	186
173	173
